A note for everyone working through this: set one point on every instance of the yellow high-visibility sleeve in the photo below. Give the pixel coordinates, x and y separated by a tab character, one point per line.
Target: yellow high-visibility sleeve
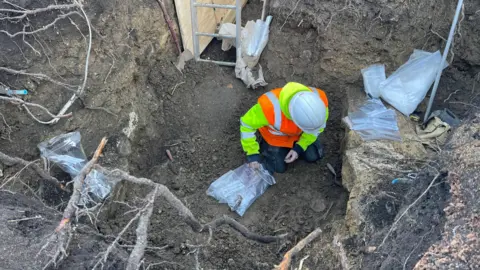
249	123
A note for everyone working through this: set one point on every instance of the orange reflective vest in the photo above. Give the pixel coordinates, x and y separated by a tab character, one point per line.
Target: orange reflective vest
281	131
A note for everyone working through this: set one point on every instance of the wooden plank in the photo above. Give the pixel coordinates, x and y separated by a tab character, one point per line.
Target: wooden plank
209	20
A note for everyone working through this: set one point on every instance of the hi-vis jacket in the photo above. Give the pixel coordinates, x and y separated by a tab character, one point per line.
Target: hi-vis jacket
270	116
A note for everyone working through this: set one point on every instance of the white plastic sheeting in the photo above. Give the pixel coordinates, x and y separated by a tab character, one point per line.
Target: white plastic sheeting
254	40
409	84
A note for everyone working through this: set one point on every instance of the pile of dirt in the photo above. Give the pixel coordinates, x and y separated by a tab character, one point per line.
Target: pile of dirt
459	245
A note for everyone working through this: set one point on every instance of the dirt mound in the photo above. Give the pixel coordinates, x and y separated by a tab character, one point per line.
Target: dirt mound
459	245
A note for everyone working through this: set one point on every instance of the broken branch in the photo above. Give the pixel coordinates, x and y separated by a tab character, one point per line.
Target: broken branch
287	258
77	186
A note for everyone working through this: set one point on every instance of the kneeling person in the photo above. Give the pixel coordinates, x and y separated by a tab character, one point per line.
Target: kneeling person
289	120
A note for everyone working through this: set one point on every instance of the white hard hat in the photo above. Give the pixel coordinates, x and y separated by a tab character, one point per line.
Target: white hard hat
307	111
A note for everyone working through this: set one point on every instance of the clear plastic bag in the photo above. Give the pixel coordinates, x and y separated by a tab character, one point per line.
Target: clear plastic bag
227	29
66	151
372	77
409	84
241	187
373	121
254	40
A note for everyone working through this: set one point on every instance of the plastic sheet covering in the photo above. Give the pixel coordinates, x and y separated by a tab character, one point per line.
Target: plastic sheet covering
409	84
373	121
254	39
372	77
241	187
66	151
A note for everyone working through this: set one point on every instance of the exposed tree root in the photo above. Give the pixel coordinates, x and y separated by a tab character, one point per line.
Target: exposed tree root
11	161
57	244
185	213
287	258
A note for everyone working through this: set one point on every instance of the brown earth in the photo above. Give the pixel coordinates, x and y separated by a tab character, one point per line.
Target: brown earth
195	115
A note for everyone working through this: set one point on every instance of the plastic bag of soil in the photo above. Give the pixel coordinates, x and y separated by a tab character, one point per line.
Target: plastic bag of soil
241	187
409	84
66	151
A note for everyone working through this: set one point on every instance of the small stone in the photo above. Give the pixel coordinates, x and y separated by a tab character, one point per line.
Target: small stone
214	158
31	85
318	205
307	54
124	147
231	262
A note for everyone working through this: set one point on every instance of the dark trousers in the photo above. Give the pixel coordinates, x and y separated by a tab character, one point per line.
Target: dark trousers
274	157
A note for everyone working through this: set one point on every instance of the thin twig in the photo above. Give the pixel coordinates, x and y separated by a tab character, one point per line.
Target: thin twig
151	248
10	161
175	87
466	104
324	216
411	252
25	219
16	174
160	263
288	16
101	109
13	5
300	266
408	208
110	71
26	12
437	34
89	49
39	76
7	127
114	243
26	104
80	91
45	27
451	94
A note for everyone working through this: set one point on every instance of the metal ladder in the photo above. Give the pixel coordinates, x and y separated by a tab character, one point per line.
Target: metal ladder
238	22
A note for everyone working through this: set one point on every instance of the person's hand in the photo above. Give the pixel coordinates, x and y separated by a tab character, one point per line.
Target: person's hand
254	165
291	156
